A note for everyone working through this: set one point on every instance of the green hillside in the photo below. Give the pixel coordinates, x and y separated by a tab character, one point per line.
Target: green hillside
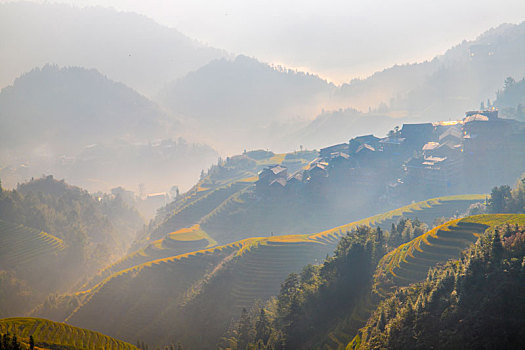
474	302
49	334
237	274
195	238
325	306
53	236
410	262
225	189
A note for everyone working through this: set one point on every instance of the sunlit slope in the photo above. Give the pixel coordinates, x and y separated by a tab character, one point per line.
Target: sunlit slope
260	272
134	298
426	211
221	192
196	238
410	262
182	241
54	335
197	206
146	300
21	245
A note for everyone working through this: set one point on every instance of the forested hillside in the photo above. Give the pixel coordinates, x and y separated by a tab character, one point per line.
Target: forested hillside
471	303
55	235
323	305
238	274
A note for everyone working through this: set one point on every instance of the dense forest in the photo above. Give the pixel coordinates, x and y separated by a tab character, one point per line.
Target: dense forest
476	302
321	298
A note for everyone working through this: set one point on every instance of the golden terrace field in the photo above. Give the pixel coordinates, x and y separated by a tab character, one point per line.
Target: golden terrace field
268	256
49	334
246	270
411	261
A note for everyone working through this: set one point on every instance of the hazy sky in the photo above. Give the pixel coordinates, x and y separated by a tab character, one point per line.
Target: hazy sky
338	39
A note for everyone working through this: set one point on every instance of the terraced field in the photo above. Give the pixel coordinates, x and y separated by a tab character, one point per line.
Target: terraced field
173	244
216	193
49	334
426	211
260	272
410	262
257	267
21	245
195	238
191	212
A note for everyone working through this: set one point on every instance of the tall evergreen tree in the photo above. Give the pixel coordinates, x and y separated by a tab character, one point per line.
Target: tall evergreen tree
262	327
245	330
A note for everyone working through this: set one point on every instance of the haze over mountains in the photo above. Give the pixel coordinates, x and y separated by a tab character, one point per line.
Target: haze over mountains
213	100
74	123
275	210
146	57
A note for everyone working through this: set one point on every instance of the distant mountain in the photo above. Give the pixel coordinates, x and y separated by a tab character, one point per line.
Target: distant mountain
68	108
468	74
127	47
244	97
339	126
244	90
441	89
79	125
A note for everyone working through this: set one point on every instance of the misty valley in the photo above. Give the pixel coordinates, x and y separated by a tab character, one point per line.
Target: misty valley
160	193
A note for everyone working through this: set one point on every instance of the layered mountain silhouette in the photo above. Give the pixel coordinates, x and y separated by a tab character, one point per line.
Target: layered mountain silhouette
127	47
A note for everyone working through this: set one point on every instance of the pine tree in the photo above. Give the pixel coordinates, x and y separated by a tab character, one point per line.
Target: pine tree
15	345
497	247
262	327
31	343
245	330
5	340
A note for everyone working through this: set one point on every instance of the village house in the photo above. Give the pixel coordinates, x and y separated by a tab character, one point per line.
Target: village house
327	152
416	135
268	175
356	142
393	145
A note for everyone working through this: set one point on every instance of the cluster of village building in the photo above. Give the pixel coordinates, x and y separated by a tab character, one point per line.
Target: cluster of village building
427	157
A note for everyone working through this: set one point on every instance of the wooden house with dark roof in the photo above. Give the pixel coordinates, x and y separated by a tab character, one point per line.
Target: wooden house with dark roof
295	181
327	152
417	135
393	145
277	186
268	175
452	134
354	143
318	171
